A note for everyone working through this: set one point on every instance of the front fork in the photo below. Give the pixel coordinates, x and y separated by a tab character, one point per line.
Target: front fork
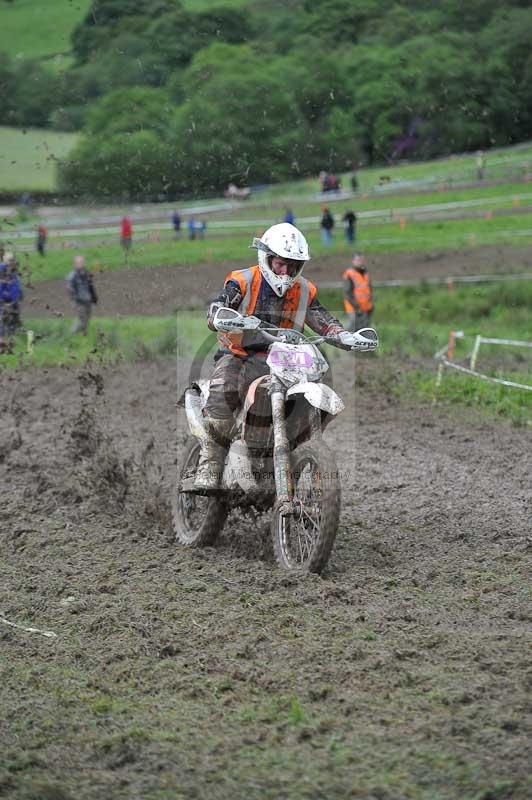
284	485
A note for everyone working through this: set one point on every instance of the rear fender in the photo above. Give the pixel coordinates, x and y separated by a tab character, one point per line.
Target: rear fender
319	396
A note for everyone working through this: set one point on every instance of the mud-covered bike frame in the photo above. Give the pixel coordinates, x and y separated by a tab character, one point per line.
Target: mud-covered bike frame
304	495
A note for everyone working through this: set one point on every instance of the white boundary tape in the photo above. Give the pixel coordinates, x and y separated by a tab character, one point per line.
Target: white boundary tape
512	342
449	349
48	634
451	364
525	276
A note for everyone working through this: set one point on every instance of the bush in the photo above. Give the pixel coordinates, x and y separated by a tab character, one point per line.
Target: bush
124	166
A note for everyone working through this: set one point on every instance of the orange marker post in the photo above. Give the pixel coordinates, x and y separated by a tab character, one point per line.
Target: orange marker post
451	345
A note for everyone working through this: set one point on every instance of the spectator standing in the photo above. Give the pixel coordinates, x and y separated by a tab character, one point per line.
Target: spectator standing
350	221
80	287
176	224
42	236
201	228
289	217
5	309
481	165
358	294
10	297
326	224
126	234
17	294
191	228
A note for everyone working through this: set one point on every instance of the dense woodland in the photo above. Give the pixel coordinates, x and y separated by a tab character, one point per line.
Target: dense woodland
173	102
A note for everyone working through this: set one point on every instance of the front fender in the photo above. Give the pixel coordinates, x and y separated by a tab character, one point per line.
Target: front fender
319	395
193	406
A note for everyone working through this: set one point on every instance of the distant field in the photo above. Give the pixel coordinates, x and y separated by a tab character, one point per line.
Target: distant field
501	163
27	160
221	247
34	29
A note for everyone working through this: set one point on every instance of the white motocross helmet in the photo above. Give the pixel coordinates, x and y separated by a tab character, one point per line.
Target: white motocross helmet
286	241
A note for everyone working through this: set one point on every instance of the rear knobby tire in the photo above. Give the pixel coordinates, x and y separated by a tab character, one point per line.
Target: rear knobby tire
197	519
305	541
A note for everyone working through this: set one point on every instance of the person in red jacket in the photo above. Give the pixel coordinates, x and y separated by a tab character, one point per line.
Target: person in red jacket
126	233
358	294
42	236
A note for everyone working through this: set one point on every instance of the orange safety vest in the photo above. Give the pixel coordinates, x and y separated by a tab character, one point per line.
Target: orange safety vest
296	302
361	291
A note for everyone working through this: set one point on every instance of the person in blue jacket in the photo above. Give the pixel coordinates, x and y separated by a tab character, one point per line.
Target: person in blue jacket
10	297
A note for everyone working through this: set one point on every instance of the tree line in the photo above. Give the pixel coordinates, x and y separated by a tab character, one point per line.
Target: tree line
172	101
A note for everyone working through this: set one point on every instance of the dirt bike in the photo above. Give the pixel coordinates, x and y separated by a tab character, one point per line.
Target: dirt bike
277	460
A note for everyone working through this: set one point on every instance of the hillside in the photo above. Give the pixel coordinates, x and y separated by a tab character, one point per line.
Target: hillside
33	29
28	158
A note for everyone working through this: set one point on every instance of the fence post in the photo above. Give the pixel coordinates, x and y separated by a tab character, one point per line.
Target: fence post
451	345
474	352
437	385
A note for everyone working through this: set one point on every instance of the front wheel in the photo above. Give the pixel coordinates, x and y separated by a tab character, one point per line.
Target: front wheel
305	539
197	519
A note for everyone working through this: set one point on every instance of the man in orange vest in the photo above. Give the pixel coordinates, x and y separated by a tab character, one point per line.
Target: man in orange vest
358	294
276	293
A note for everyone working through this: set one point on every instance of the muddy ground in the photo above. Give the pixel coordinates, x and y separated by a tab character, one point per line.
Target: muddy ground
160	290
404	672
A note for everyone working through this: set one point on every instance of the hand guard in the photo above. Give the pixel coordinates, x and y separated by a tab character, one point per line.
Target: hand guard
364	339
236	322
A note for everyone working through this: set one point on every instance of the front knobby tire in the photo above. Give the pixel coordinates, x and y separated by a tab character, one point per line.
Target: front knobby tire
304	541
197	519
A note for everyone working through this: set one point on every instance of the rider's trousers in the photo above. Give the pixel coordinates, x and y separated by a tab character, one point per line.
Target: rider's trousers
229	383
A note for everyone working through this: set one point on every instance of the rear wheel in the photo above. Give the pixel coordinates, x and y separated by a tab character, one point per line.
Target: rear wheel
305	539
197	519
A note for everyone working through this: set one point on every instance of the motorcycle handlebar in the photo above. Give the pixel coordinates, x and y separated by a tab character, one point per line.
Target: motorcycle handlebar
227	319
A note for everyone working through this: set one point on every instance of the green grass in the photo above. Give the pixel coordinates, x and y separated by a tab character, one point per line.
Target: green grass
499	163
108	341
494	399
33	30
414	323
27	158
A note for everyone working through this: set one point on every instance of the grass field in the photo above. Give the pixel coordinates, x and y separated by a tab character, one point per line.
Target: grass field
109	341
413	324
33	29
27	158
221	247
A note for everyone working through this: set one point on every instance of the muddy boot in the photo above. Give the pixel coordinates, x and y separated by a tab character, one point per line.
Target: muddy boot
212	456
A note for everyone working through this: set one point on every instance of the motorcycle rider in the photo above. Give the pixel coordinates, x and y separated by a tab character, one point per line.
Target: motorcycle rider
275	292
